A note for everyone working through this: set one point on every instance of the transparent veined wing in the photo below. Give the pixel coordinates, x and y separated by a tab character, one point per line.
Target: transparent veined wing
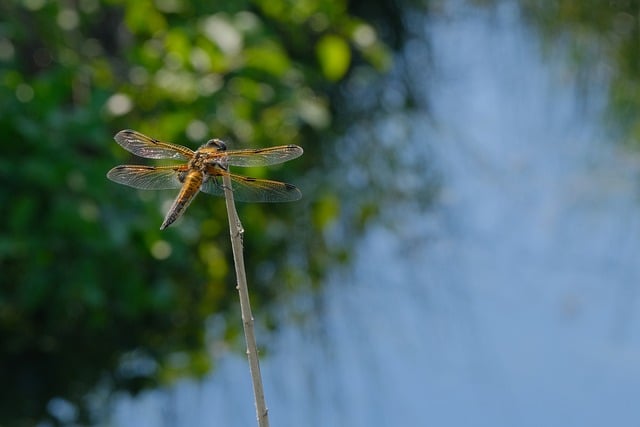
259	156
147	177
254	190
149	148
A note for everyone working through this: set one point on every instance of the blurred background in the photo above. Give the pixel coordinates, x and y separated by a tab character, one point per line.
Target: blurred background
465	252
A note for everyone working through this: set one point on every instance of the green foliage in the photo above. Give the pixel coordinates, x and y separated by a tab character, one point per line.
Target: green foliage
334	56
92	294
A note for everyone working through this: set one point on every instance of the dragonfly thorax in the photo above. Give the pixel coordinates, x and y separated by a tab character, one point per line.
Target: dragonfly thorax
199	161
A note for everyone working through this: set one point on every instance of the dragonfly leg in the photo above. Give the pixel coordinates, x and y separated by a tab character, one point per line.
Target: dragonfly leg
211	166
217	182
221	184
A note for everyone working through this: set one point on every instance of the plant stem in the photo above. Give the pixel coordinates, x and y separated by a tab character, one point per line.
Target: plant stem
236	231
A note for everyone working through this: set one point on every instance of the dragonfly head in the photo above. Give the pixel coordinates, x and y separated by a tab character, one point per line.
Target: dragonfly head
221	146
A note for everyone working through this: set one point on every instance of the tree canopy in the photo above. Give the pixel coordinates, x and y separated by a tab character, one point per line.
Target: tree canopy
93	295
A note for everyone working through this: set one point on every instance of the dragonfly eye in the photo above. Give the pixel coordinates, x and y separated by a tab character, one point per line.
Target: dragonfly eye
221	146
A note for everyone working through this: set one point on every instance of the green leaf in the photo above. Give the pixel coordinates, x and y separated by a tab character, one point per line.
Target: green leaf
334	55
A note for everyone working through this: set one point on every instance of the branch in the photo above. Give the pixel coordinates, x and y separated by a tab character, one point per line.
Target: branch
236	231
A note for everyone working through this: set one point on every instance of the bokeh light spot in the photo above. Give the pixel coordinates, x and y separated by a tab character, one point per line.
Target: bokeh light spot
161	249
225	35
119	104
197	130
24	92
68	19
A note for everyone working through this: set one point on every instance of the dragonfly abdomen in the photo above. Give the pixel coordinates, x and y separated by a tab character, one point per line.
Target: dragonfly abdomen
192	181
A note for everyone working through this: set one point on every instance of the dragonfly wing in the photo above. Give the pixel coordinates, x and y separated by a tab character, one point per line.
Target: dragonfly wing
261	156
147	147
147	177
255	190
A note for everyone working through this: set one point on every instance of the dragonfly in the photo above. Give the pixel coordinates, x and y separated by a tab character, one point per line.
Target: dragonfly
202	170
